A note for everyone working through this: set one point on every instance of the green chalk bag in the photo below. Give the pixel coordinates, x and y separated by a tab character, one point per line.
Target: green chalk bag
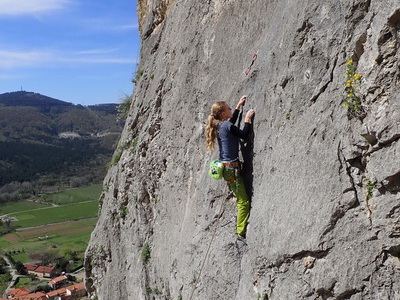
216	169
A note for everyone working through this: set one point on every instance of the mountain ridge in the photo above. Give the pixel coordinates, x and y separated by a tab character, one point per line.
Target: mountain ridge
25	98
42	136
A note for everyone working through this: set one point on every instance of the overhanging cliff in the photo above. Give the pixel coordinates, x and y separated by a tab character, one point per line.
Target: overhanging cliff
325	212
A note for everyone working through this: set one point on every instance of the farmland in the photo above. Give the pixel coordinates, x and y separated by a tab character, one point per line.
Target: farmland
60	237
20	206
59	223
49	215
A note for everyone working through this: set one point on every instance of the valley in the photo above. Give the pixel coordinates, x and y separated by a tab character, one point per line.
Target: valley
53	229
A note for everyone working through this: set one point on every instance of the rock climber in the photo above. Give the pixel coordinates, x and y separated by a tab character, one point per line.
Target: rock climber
221	125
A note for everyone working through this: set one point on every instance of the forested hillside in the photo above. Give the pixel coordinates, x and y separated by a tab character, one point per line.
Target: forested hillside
46	142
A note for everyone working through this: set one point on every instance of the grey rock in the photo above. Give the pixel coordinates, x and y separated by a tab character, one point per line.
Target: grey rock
325	206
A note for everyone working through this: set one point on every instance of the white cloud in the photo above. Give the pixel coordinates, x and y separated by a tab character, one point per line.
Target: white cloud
126	27
107	24
26	7
9	76
97	51
20	59
12	59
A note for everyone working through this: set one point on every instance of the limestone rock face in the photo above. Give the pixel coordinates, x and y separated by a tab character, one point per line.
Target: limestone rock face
325	211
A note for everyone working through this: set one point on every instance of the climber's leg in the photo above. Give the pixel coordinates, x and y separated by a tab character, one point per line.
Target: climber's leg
243	204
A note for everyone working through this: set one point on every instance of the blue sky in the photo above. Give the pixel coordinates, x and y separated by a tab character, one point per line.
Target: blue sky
79	51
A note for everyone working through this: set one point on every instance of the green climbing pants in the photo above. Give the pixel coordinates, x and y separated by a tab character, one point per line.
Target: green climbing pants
243	204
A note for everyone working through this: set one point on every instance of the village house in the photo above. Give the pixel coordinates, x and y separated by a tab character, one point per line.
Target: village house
74	291
43	271
77	290
33	296
58	282
15	293
30	267
57	294
40	271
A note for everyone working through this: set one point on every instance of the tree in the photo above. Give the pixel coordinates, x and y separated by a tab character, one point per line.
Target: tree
47	257
19	266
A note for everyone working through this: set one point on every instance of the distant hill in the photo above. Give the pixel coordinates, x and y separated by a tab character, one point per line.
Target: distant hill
42	137
23	98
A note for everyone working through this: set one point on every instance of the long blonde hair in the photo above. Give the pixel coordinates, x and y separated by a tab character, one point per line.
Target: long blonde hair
213	121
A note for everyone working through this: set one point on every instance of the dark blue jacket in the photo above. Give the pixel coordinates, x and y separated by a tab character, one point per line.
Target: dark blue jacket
228	138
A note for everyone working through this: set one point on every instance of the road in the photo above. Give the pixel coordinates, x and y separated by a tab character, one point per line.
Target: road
13	272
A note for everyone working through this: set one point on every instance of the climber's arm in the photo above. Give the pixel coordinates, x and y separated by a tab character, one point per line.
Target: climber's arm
241	133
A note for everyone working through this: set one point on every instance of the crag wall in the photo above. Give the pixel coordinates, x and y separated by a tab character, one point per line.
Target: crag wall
325	212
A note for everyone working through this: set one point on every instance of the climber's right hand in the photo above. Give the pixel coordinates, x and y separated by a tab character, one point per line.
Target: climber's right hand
249	116
242	101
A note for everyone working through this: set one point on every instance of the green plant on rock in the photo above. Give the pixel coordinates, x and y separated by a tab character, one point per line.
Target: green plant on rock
118	153
134	145
370	187
146	252
155	290
138	74
117	157
123	211
124	107
352	99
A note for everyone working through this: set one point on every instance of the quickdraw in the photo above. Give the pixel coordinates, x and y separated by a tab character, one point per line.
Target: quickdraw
252	63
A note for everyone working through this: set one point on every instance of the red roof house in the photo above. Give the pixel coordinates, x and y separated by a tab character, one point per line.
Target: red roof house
30	267
43	271
58	282
14	293
57	294
34	296
77	290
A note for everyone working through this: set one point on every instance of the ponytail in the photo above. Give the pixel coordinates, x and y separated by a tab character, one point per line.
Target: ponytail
213	121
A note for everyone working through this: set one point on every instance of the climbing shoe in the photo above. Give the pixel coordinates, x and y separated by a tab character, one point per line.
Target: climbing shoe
240	241
241	238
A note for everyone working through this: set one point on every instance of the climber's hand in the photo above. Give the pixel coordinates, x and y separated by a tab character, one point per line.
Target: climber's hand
241	102
249	116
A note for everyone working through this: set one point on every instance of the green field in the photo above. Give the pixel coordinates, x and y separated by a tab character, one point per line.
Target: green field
3	243
89	193
54	228
27	281
57	214
10	207
72	236
4	280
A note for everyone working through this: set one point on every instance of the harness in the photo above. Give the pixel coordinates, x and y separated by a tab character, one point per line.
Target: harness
233	165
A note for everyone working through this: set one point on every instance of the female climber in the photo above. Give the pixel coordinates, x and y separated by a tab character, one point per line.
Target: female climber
221	125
